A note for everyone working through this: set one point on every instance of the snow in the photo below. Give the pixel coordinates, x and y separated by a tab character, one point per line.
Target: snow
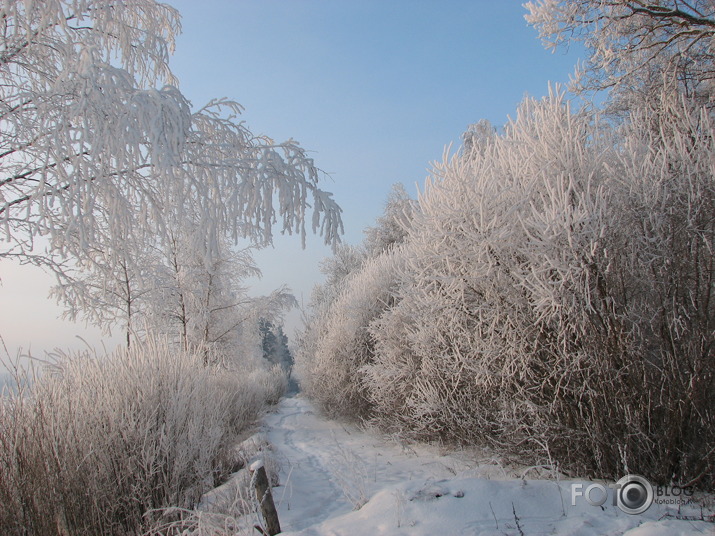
255	466
339	480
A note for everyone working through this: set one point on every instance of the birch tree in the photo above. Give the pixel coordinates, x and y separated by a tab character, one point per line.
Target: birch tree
194	299
109	288
92	123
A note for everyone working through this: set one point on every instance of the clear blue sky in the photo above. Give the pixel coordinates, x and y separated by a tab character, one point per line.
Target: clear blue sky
374	90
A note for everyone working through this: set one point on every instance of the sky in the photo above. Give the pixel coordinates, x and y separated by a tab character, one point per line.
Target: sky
373	90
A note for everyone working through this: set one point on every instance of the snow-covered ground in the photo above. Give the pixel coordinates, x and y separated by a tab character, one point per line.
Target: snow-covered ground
338	480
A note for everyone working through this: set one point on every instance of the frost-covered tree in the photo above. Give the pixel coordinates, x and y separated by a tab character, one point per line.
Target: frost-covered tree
197	299
172	287
502	212
108	288
275	344
271	307
477	135
172	311
201	301
340	342
91	125
345	261
635	42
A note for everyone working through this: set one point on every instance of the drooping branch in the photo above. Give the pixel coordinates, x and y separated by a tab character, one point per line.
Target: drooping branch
101	163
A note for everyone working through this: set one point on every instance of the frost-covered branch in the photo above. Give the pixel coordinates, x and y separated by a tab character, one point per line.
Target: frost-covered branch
87	127
634	40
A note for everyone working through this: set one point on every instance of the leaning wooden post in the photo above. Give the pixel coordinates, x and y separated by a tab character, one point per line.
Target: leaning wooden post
265	498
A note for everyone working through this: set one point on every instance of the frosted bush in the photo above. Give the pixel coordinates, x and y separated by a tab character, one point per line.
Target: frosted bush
554	300
345	345
271	383
337	270
489	257
97	443
359	286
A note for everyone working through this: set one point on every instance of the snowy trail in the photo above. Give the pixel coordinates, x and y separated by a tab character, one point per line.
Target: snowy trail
328	468
338	480
309	494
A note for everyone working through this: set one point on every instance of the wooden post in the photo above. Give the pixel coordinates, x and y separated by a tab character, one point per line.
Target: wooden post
265	498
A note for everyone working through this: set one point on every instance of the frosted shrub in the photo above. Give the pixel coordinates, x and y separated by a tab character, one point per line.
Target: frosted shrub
652	283
493	221
344	344
555	297
96	443
337	270
270	384
359	286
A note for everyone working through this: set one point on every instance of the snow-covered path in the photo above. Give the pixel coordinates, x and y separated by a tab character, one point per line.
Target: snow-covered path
329	468
309	492
338	480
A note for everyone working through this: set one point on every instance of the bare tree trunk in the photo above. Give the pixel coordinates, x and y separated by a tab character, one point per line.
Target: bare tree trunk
128	288
183	316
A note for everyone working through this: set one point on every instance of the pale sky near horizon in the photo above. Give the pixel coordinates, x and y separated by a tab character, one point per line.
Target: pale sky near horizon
375	90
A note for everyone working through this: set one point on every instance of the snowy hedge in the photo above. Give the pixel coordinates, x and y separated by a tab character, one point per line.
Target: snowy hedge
360	284
553	297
